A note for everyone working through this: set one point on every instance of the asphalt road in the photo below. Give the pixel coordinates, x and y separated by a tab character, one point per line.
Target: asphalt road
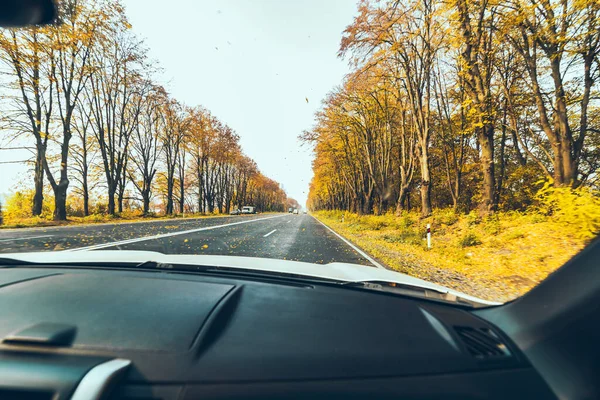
281	236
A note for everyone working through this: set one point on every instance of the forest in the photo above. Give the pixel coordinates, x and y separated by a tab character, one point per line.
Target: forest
474	105
105	137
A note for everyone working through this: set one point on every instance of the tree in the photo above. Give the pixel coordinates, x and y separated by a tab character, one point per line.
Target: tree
553	38
72	45
477	100
28	53
476	20
452	136
146	144
89	78
115	95
83	155
175	126
399	38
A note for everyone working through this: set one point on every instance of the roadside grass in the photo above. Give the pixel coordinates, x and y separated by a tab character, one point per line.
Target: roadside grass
124	217
498	257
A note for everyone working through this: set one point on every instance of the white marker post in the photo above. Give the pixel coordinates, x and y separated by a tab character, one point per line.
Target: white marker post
428	236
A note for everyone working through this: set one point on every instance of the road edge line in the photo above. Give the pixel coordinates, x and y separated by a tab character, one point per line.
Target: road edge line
164	235
2	240
354	247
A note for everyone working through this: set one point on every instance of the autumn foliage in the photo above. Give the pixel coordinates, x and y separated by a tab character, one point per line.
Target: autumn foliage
466	104
106	137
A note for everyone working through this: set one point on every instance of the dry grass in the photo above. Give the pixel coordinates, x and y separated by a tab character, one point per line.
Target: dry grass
497	258
32	222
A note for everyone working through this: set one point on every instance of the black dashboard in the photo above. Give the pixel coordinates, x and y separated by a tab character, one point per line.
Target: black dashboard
127	334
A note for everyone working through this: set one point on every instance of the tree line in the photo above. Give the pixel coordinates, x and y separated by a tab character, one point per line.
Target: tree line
82	93
468	104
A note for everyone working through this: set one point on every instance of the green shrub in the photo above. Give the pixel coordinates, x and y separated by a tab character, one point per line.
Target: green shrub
469	239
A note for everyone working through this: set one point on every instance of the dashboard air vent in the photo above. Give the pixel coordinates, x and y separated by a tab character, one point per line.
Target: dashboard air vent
482	343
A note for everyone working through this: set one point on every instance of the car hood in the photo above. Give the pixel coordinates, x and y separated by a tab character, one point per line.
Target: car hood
345	272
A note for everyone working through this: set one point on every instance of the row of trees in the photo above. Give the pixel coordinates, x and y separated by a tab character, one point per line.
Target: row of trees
83	93
468	103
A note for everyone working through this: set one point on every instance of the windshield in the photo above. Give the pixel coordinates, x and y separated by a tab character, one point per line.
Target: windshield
454	142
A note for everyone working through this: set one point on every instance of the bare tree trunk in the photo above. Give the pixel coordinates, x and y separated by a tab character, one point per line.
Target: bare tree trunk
111	200
146	202
425	182
38	197
86	199
486	141
181	172
170	185
84	176
501	159
181	196
60	202
122	184
401	203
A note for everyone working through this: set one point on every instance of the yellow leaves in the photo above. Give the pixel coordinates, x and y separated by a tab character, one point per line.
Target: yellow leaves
578	209
204	246
515	251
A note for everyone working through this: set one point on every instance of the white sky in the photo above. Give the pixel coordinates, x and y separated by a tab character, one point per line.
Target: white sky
253	64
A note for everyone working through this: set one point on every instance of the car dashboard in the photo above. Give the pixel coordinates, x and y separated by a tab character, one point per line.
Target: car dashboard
92	333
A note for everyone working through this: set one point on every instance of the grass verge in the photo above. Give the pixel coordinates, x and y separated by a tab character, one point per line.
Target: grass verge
497	258
33	222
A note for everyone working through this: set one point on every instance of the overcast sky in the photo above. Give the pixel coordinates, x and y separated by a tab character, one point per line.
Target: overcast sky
253	64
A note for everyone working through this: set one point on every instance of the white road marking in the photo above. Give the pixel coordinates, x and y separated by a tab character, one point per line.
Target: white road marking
164	235
273	231
289	221
359	251
25	238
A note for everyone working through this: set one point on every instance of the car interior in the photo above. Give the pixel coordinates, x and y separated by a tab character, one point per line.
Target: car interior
88	331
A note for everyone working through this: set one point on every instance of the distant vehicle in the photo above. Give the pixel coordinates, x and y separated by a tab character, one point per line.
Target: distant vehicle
295	211
248	210
291	209
304	211
235	211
